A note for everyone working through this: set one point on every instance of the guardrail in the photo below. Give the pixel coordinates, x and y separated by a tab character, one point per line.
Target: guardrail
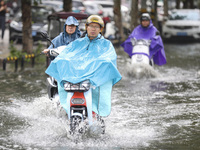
22	61
16	61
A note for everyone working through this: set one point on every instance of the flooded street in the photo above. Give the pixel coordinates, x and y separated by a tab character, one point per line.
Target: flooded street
148	113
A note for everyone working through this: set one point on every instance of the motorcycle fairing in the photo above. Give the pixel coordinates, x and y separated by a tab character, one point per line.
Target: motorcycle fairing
101	99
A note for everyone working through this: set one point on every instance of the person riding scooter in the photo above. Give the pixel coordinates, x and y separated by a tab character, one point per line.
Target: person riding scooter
146	30
70	33
90	58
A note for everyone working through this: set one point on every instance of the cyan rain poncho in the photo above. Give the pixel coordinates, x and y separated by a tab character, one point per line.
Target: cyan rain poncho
64	38
156	47
89	59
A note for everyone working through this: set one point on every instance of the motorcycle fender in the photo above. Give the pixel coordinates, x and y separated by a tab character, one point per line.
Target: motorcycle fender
88	97
69	96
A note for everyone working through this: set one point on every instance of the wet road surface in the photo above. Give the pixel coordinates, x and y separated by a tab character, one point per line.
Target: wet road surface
149	113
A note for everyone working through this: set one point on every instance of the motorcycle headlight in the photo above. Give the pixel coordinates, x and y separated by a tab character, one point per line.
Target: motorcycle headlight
77	101
75	87
67	86
83	86
71	87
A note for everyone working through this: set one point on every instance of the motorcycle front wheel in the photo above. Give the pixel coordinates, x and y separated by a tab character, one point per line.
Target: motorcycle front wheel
75	125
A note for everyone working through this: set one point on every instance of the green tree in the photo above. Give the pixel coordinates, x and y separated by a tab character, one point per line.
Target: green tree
27	40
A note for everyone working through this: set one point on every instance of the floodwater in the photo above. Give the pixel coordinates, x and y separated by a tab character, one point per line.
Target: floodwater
161	112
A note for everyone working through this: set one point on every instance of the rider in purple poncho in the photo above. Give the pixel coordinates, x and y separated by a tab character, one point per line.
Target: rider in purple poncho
147	31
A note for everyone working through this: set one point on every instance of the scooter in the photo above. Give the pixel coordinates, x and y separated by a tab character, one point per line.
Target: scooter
141	65
78	100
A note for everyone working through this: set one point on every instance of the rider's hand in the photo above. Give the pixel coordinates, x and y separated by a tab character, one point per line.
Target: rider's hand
46	52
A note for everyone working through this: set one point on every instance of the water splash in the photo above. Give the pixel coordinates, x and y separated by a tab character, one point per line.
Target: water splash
141	71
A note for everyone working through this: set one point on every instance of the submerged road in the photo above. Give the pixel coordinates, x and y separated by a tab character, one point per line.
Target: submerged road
148	113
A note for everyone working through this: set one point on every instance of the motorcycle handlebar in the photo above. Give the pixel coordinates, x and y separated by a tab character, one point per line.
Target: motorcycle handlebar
53	52
42	53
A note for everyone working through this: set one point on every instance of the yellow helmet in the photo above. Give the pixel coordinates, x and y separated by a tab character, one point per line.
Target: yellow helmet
95	19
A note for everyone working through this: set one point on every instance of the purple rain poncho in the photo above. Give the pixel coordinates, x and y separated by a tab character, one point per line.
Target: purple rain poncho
156	47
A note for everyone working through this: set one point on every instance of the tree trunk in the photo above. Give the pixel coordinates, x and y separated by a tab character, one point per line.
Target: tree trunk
27	39
177	4
134	14
143	4
185	4
192	4
118	18
165	8
155	14
67	5
188	4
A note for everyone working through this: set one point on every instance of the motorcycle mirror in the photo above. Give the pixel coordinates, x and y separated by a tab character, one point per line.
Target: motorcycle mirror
46	37
133	41
157	33
149	42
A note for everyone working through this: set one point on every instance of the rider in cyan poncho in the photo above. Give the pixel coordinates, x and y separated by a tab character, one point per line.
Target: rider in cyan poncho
92	57
147	31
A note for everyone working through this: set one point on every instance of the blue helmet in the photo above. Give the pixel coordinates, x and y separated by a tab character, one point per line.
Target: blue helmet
71	20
